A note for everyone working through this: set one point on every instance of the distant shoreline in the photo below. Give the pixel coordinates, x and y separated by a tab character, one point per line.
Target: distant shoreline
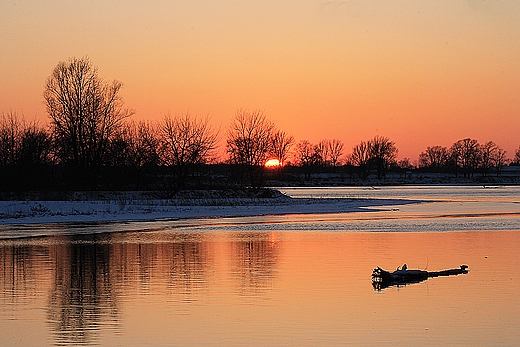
394	179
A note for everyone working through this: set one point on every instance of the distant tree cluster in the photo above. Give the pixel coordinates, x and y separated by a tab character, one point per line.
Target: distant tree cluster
251	140
25	148
92	143
324	154
376	154
465	156
22	144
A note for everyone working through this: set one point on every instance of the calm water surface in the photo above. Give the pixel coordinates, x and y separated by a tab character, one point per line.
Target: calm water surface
274	280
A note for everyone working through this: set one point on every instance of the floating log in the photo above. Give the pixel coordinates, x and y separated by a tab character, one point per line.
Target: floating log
382	279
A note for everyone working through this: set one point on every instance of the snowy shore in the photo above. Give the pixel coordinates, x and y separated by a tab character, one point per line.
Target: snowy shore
123	209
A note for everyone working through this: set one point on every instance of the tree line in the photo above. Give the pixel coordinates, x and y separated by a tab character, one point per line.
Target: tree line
91	142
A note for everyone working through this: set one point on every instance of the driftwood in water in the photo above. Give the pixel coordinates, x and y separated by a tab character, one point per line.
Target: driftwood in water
382	279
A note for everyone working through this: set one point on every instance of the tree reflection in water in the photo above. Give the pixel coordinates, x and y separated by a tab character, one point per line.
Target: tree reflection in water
83	293
255	257
19	271
91	274
85	280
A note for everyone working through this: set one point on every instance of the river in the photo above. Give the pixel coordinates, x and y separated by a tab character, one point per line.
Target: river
290	280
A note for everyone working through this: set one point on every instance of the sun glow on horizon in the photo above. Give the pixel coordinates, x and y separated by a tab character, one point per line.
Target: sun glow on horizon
272	163
319	70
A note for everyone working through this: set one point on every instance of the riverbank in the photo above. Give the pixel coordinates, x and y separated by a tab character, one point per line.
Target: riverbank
135	206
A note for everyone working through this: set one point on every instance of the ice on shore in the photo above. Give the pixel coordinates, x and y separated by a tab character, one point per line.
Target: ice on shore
42	212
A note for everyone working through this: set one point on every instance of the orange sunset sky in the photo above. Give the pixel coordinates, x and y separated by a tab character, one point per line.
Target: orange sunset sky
422	73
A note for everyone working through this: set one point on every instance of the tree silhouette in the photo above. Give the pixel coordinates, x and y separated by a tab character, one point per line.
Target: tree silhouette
186	142
135	144
465	153
487	154
322	154
360	157
335	152
434	157
405	165
249	143
499	159
281	144
84	110
305	156
382	154
10	135
35	147
517	156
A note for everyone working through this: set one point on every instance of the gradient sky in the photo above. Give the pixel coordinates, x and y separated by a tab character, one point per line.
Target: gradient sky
422	73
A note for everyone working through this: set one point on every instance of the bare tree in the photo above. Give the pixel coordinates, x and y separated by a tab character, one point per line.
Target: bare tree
465	153
405	165
305	156
10	135
186	142
249	142
517	156
281	145
487	153
382	154
35	146
84	110
21	143
134	154
24	154
304	151
335	151
360	157
321	151
499	159
135	144
434	157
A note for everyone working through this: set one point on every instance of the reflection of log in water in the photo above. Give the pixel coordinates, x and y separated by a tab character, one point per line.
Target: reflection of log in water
382	279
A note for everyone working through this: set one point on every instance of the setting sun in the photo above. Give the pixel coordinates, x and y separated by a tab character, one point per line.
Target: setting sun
272	163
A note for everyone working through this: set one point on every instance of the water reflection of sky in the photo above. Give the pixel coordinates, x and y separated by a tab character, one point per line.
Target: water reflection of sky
258	288
269	280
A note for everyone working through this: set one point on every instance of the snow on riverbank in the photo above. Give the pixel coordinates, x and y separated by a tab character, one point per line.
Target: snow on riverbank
42	212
